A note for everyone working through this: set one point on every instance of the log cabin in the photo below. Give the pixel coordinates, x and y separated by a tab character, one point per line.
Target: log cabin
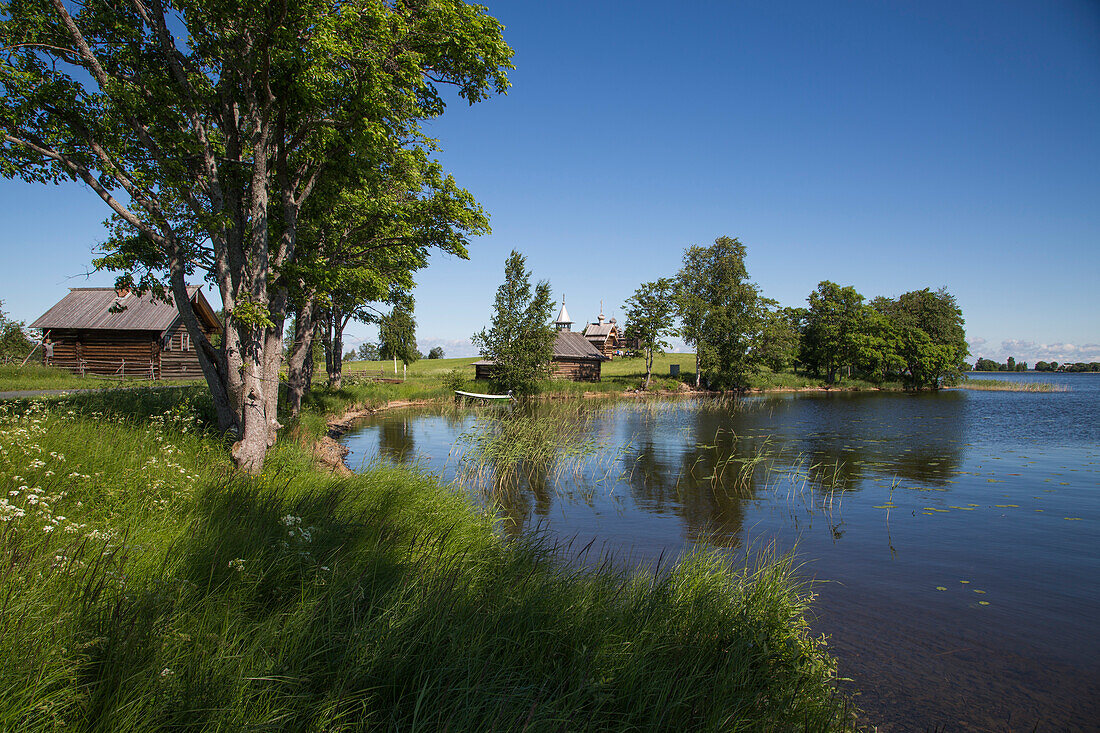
117	333
574	357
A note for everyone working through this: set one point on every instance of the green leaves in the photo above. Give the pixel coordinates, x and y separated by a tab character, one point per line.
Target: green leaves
722	311
917	338
649	318
519	338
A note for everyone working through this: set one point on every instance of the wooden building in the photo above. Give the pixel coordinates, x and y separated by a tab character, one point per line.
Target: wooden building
117	333
605	336
574	357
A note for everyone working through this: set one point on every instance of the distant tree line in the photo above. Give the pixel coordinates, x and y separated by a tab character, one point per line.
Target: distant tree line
916	338
1080	366
369	351
988	365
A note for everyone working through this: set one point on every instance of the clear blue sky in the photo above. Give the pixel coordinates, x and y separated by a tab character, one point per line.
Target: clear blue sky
886	145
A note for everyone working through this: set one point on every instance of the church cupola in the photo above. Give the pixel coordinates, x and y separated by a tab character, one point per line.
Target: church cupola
563	323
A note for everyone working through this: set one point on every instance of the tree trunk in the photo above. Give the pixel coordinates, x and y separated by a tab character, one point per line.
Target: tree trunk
300	360
334	357
336	376
648	366
698	376
211	360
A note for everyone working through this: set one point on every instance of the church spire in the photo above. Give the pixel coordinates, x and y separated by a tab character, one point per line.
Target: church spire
564	323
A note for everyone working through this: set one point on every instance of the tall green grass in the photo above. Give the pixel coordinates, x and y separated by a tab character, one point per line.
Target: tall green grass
1005	385
171	593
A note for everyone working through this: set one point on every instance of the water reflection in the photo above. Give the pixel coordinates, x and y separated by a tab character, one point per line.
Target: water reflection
701	461
954	521
396	441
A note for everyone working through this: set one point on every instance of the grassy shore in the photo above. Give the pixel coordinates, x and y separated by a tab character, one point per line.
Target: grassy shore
146	586
1004	385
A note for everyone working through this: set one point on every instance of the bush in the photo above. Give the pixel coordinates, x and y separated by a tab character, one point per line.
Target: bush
455	379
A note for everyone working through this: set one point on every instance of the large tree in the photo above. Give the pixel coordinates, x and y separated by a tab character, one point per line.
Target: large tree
777	341
833	330
721	311
692	305
650	317
931	340
367	229
205	127
519	338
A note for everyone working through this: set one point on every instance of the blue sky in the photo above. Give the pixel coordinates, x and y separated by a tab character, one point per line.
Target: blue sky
890	146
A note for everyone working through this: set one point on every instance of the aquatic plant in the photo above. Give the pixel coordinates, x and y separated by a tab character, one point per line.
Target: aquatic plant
1005	385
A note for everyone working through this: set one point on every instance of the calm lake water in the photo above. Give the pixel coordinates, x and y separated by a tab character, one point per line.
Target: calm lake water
953	537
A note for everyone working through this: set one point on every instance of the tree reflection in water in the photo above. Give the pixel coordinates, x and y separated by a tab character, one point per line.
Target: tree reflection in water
704	461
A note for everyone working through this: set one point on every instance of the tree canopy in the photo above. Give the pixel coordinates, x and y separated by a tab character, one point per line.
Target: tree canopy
397	333
519	339
721	311
650	317
206	126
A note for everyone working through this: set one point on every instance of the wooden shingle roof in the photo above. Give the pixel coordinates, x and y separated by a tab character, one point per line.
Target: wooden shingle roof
600	330
572	345
91	309
567	345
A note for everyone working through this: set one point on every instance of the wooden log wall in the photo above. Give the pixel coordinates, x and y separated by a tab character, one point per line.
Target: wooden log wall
101	353
578	370
106	353
179	360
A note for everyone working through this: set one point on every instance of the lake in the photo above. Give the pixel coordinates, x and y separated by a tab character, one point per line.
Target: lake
951	537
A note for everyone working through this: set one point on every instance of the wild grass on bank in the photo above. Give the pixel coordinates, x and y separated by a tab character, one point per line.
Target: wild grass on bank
1004	385
171	593
534	441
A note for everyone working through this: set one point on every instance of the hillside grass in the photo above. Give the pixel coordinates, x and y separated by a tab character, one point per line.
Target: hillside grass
618	375
34	376
146	586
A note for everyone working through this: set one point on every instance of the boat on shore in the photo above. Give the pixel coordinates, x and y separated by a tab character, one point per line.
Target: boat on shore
488	397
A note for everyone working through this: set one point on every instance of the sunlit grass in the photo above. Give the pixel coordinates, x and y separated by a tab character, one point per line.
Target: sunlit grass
149	587
33	376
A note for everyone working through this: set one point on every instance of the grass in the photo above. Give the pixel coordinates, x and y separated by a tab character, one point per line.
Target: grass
145	586
39	377
617	376
1004	385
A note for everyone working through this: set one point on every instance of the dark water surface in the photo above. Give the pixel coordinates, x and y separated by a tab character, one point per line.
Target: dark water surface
954	536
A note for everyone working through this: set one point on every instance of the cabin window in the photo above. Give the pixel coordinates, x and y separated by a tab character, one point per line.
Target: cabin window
185	341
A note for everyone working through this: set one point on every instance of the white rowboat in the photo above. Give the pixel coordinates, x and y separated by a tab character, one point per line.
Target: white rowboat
476	396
